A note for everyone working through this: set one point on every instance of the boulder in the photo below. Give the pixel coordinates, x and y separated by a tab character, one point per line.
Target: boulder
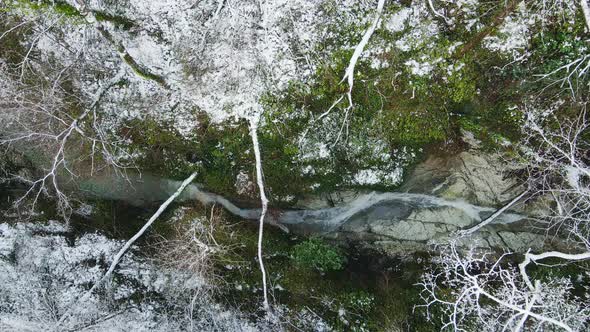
474	176
448	193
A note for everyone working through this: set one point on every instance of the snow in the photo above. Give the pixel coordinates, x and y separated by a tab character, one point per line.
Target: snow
308	170
42	273
214	62
315	150
419	69
152	54
513	35
572	175
397	22
84	210
223	63
420	29
243	184
373	177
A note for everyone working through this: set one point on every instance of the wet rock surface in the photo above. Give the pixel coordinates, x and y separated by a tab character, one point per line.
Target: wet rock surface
440	198
444	195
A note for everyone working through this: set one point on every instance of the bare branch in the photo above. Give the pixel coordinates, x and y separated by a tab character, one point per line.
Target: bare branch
437	13
126	247
528	258
349	73
491	218
586	11
253	132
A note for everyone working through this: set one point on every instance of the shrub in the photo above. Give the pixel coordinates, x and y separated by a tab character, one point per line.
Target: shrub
316	254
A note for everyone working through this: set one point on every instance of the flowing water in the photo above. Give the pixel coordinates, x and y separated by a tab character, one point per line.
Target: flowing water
365	207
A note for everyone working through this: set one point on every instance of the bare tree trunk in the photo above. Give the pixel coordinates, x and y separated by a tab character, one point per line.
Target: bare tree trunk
349	74
437	13
126	247
586	11
495	215
528	258
264	200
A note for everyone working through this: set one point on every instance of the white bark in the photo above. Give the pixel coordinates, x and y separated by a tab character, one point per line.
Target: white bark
264	201
437	13
586	11
491	218
528	309
528	258
523	311
508	302
60	139
126	247
220	4
349	74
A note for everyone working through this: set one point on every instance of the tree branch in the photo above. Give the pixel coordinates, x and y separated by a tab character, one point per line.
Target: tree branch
126	247
349	74
586	11
528	258
491	218
264	200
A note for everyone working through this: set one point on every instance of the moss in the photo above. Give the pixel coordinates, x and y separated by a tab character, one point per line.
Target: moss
553	268
291	114
117	219
66	9
11	48
462	85
164	151
222	152
218	152
367	303
55	6
493	125
316	254
118	21
401	110
408	125
142	71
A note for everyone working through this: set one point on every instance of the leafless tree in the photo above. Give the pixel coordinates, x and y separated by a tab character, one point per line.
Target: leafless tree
124	249
491	292
474	291
349	77
40	118
572	73
57	127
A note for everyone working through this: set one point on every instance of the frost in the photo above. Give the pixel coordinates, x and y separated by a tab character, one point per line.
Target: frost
308	170
419	69
213	57
316	150
513	36
243	184
398	20
84	210
574	176
373	177
420	29
42	273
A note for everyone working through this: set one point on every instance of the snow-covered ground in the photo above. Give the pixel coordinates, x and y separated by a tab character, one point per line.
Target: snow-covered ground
216	57
44	269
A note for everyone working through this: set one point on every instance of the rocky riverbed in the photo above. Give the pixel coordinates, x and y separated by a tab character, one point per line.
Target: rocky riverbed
442	196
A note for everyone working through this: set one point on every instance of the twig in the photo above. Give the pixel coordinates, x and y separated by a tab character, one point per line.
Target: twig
126	247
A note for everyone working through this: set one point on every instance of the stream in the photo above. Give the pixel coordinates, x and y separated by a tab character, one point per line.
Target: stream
365	208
